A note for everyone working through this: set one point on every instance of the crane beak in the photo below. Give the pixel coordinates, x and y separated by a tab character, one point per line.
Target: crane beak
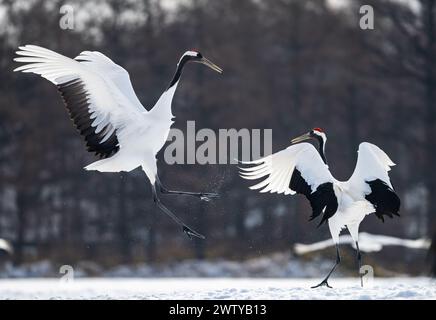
303	137
210	64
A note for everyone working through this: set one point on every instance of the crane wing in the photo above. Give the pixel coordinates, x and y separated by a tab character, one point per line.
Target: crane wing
106	68
296	169
370	180
96	92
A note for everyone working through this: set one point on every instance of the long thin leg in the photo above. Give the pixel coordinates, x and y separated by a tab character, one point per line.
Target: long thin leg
206	196
189	232
325	281
359	261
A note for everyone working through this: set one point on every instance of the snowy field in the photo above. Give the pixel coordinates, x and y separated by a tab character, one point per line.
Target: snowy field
217	288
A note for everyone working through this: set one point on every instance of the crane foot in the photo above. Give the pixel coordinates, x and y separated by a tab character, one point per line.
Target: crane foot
191	233
208	196
322	284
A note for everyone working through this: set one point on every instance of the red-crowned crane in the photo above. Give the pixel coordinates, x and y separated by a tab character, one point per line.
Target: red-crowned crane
105	109
302	169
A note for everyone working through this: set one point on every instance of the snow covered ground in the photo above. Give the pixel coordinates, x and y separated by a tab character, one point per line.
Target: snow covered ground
278	265
216	288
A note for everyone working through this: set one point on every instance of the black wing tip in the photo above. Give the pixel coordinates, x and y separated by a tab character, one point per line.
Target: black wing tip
76	101
323	199
323	220
384	199
390	214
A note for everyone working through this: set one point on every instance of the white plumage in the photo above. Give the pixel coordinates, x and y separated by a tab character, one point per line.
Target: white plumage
302	169
279	167
6	246
367	243
112	104
104	107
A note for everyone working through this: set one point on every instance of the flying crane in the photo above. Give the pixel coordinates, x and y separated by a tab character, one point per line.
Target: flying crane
105	109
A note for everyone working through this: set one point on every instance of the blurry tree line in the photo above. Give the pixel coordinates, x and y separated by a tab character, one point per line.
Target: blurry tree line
288	65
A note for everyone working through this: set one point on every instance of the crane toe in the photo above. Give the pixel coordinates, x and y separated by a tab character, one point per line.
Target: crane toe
209	196
191	233
322	284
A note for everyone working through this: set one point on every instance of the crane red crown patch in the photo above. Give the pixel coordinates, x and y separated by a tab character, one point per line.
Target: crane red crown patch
318	129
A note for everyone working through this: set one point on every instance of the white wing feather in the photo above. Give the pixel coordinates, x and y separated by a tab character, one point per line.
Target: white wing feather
372	163
277	169
106	68
110	93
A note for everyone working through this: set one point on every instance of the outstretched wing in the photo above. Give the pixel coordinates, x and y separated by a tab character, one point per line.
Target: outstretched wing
108	69
296	169
97	93
370	180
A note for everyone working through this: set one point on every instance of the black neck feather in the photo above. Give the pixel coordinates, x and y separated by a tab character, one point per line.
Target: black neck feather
321	147
178	72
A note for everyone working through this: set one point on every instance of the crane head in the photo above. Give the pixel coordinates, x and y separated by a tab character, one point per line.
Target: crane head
195	56
315	133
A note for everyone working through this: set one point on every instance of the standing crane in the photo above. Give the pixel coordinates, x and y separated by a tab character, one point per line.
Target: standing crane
106	111
302	169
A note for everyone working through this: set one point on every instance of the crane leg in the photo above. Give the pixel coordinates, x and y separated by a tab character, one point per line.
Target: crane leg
325	281
187	230
359	261
206	196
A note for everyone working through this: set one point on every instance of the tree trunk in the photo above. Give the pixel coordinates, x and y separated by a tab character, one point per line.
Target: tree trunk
151	240
122	224
21	227
430	114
